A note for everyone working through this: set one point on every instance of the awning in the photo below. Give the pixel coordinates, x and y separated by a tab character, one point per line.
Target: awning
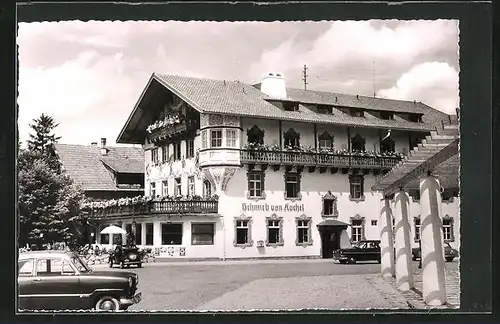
331	222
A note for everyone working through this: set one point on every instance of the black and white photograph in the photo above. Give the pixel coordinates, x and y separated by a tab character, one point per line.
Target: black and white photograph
210	166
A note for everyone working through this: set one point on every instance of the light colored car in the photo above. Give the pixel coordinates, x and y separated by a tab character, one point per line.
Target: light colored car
59	280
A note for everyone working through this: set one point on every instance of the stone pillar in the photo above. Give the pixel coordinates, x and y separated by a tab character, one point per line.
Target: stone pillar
98	234
124	236
431	238
404	270
143	233
156	233
386	242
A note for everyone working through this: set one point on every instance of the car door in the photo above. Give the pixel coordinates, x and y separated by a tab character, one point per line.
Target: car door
25	271
373	251
56	285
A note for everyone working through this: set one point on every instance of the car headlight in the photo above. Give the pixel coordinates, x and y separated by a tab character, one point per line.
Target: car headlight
130	281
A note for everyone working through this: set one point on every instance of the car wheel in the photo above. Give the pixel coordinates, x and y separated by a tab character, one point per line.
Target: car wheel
107	303
449	259
122	265
379	261
111	263
414	258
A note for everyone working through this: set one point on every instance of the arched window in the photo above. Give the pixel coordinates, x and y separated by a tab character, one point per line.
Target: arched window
292	138
357	143
255	135
387	145
325	141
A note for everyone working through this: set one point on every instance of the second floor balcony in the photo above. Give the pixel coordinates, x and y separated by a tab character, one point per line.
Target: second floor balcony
325	158
145	206
170	126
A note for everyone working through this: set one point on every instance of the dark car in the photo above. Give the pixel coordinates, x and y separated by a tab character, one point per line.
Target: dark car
126	256
449	253
59	280
368	250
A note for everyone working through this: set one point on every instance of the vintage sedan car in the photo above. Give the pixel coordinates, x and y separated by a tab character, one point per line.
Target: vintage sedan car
367	250
449	253
126	256
59	280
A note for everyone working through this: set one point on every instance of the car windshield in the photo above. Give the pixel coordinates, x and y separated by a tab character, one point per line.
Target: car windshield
80	264
359	245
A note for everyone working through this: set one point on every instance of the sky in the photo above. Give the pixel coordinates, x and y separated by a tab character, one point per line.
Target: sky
89	75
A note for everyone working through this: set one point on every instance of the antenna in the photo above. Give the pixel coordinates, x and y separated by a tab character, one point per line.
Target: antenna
374	84
304	76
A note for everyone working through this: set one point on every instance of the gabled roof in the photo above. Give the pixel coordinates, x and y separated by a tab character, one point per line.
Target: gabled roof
93	171
241	99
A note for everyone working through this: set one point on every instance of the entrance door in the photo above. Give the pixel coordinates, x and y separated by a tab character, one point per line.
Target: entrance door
330	241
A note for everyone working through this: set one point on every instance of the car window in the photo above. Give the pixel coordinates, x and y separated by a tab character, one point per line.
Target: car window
52	267
25	268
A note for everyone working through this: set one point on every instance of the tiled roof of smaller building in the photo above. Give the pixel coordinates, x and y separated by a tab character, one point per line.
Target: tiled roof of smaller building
241	99
93	171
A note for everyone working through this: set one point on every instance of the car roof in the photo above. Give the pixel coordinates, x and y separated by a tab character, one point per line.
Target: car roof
44	254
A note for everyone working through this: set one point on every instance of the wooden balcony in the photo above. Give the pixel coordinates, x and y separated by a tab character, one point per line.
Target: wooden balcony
168	131
170	207
313	159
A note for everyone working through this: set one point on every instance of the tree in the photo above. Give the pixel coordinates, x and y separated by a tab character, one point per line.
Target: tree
49	202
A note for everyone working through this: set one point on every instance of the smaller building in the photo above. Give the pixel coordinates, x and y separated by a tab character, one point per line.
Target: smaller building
104	172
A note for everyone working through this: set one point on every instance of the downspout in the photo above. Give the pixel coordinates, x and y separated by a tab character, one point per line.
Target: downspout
223	239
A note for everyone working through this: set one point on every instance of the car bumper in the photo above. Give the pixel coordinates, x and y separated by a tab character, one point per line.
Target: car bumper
131	300
340	258
132	261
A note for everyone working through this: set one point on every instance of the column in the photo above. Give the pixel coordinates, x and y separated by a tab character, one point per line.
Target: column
98	234
156	233
143	233
404	270
386	243
124	236
431	238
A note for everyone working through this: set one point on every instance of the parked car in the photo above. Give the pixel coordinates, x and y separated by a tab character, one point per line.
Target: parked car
126	256
367	250
60	280
449	253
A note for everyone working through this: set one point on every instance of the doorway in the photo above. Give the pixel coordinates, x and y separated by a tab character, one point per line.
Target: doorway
330	240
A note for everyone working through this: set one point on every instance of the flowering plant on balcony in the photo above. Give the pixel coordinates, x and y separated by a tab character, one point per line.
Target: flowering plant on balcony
169	120
142	200
255	146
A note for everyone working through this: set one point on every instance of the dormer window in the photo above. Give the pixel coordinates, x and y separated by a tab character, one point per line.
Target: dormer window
292	138
387	115
356	112
357	144
415	118
255	135
291	106
322	109
325	141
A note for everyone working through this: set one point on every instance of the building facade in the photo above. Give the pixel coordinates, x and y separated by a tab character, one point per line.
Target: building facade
248	171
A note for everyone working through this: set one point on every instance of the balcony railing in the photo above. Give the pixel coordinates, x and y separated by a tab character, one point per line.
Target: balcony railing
170	130
318	159
170	207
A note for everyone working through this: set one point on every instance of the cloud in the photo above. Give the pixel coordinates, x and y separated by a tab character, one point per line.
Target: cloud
433	83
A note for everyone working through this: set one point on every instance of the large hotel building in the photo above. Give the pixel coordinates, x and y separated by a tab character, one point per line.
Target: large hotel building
234	170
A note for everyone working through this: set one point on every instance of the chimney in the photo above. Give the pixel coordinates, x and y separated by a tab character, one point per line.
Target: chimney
273	85
104	150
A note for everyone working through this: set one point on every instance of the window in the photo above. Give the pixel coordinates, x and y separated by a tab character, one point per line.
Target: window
128	229
207	189
417	229
415	118
177	151
274	231
292	185
292	138
356	230
202	234
154	156
149	234
104	238
356	113
53	267
448	229
356	184
357	144
329	205
325	141
323	109
374	222
190	148
255	184
290	106
387	145
303	231
25	268
216	138
191	190
388	115
164	154
230	137
242	236
171	234
255	135
164	188
152	189
178	187
138	234
204	139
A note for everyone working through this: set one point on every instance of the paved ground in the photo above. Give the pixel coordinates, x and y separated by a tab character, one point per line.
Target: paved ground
256	284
